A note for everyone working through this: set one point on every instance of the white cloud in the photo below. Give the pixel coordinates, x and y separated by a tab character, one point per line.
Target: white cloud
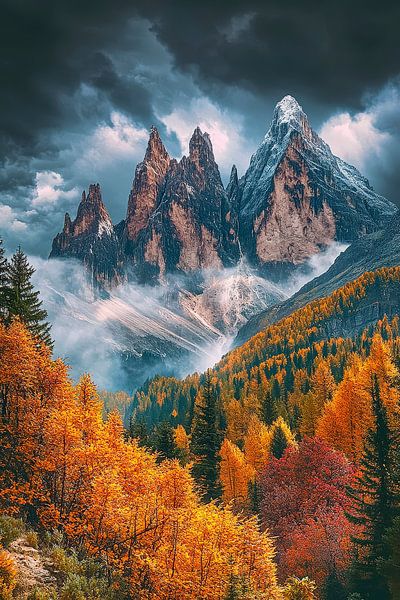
314	267
111	143
225	129
355	138
48	190
9	219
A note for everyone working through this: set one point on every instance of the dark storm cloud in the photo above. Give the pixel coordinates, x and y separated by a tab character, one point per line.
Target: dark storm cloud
48	50
327	52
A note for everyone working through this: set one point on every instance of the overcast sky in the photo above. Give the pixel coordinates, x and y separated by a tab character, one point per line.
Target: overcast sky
83	81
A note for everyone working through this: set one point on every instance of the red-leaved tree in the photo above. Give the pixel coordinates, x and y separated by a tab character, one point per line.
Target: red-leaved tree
303	504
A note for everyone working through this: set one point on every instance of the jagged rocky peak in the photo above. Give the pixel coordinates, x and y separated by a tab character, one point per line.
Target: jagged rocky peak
233	180
190	228
288	119
149	176
288	110
201	150
91	218
91	239
155	148
297	197
233	193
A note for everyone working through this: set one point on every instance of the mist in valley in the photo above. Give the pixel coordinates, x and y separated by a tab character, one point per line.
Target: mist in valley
135	331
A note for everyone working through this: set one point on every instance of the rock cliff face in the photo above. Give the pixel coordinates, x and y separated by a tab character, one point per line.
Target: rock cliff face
149	177
371	252
293	201
91	239
188	218
296	196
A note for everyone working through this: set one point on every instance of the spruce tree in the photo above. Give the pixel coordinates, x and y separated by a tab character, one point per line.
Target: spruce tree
268	409
392	565
279	442
374	504
23	300
163	441
3	283
206	442
138	431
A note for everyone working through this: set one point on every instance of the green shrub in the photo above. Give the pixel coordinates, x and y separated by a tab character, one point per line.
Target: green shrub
10	529
53	538
32	539
65	562
42	594
79	587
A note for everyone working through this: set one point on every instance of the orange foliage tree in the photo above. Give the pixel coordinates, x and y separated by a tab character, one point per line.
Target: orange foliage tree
348	417
62	466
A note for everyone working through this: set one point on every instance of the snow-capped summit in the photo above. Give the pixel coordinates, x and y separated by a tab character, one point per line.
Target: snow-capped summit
288	116
288	110
297	197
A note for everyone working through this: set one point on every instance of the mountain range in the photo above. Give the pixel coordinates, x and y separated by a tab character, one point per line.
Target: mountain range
295	199
225	256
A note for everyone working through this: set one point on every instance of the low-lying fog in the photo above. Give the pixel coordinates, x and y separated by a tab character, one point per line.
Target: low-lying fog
138	331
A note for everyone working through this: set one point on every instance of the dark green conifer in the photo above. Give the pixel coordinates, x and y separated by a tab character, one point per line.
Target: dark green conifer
23	301
374	504
163	441
206	441
268	409
279	442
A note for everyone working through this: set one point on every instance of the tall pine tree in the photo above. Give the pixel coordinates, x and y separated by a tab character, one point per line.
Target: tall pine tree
374	504
23	301
279	442
206	442
163	441
3	283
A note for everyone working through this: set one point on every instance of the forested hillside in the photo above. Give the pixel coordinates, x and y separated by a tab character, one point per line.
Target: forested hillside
273	476
287	427
278	367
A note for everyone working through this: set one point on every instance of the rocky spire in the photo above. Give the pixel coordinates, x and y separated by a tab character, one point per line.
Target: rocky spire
67	224
149	176
92	214
233	181
155	148
232	189
91	239
200	149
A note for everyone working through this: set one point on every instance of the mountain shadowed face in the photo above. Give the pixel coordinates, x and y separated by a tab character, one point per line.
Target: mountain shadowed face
83	82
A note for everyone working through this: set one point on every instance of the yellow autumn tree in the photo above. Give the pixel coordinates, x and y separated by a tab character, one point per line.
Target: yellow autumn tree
257	444
346	420
322	389
63	466
235	474
237	421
